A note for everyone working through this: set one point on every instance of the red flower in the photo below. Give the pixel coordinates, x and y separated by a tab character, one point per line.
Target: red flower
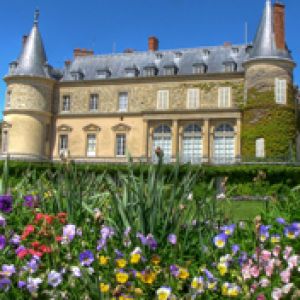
35	253
58	238
21	254
35	244
45	249
62	215
27	231
48	218
38	217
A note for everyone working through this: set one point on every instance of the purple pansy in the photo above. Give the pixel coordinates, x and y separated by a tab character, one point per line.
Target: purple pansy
174	270
21	284
5	283
8	270
292	231
2	242
235	249
54	278
31	201
228	229
15	240
86	258
264	233
33	284
172	239
220	240
281	221
2	221
6	203
69	232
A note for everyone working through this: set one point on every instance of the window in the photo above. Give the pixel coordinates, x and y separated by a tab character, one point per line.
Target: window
131	71
280	91
91	145
199	68
150	71
93	105
103	73
66	104
123	101
78	75
120	144
162	138
63	143
193	98
4	141
8	97
260	148
163	99
230	66
192	144
224	97
170	70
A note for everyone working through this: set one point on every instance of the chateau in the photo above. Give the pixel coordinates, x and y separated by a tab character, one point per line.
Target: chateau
217	105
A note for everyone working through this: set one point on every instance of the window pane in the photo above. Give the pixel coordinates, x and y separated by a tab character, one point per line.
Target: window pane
121	144
123	101
66	103
280	91
163	99
91	145
63	145
93	105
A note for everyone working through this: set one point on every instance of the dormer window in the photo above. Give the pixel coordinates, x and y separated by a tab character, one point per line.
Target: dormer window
199	68
150	70
178	56
103	73
132	71
12	67
206	53
230	66
170	70
235	50
77	75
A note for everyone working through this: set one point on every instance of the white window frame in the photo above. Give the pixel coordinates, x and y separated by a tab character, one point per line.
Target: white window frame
123	102
121	151
66	103
224	97
94	102
280	91
91	145
262	143
63	147
162	99
193	98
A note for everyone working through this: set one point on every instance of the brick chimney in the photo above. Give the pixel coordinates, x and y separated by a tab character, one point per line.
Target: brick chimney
82	52
279	25
153	43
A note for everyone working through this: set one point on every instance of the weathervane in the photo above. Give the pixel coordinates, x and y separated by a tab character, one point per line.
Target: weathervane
36	16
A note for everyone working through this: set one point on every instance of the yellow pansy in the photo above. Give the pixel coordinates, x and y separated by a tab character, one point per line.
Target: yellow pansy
138	291
122	277
223	269
183	273
155	260
163	293
121	263
148	277
104	288
135	258
103	260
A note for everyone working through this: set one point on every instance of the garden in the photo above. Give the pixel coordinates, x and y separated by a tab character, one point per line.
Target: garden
148	232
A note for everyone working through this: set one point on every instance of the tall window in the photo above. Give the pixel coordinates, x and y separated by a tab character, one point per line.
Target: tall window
280	91
121	144
163	99
162	139
66	104
224	97
123	101
224	151
91	145
8	96
63	143
193	98
93	104
192	144
4	141
260	148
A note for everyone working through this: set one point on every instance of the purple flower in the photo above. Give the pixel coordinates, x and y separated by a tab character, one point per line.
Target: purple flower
75	271
107	232
5	284
54	278
21	284
6	203
228	229
142	238
69	232
172	239
280	221
264	233
148	240
15	240
220	240
86	258
2	242
174	270
101	244
33	284
31	201
8	270
32	266
118	253
235	249
2	221
292	231
209	275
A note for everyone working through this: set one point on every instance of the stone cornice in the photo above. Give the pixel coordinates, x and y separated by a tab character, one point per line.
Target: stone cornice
26	112
17	78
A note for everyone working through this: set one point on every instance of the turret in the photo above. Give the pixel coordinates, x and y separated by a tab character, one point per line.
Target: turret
28	111
269	125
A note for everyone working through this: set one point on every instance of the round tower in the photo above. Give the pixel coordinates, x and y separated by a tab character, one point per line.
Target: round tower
28	112
269	118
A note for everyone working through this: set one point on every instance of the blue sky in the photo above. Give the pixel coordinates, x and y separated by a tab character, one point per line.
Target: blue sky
106	24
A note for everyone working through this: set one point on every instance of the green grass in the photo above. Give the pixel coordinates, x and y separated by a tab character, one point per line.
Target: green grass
242	210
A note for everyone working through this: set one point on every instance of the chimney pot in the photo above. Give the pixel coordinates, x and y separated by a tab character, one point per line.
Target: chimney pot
24	39
153	43
227	44
82	52
279	25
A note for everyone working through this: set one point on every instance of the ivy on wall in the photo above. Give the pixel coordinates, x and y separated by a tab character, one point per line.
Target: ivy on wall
277	124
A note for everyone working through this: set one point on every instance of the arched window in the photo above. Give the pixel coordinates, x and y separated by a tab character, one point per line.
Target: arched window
224	144
162	138
192	144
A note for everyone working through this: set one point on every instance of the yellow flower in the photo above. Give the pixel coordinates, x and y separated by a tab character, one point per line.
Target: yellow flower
155	260
103	260
163	293
104	288
275	239
121	262
135	258
138	291
183	273
222	267
148	277
122	277
211	285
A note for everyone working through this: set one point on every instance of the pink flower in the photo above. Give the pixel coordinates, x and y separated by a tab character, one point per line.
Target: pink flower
246	272
269	270
285	276
264	282
287	288
276	250
276	294
254	271
293	261
287	252
261	297
265	255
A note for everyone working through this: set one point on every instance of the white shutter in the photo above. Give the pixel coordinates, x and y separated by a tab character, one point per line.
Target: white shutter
163	99
224	97
193	98
280	91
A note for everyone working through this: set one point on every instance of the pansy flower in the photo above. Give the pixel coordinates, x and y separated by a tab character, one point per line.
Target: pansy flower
220	240
228	229
198	284
2	242
6	203
122	277
164	293
86	258
264	233
292	231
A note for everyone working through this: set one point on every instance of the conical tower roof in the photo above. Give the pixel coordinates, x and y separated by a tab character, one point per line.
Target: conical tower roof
264	45
33	60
